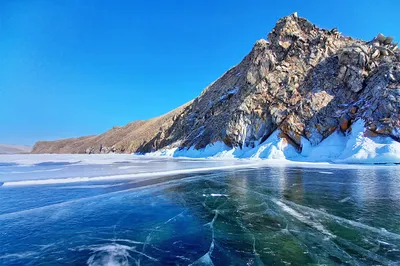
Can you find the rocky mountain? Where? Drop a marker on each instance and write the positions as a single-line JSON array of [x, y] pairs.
[[14, 149], [305, 81]]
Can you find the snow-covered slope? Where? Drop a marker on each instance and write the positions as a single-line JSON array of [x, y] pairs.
[[355, 147]]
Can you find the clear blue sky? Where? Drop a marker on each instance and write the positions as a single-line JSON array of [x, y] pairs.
[[78, 67]]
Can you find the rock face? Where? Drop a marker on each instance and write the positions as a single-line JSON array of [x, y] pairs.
[[306, 81]]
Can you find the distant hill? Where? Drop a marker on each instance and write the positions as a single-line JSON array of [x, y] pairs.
[[13, 149]]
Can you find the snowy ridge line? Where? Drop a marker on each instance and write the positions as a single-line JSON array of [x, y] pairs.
[[122, 176]]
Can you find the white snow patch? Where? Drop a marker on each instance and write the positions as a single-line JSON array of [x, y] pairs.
[[337, 148], [230, 92], [361, 149]]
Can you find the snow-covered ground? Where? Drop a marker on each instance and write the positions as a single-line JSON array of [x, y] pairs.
[[355, 148]]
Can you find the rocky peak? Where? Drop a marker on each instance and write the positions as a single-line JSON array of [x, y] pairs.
[[288, 30]]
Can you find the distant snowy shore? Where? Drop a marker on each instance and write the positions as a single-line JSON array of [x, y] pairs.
[[355, 148]]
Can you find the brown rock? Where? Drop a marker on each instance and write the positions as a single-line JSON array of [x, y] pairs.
[[345, 123]]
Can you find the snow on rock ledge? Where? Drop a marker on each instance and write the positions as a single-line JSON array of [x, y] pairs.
[[356, 147]]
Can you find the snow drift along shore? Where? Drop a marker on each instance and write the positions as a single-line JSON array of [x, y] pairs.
[[355, 147]]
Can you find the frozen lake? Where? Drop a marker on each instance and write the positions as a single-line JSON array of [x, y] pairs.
[[127, 210]]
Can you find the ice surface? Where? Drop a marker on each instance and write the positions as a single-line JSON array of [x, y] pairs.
[[24, 170], [35, 159], [31, 169], [262, 216], [149, 210]]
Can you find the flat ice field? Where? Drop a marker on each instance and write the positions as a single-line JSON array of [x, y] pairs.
[[38, 169], [42, 169], [149, 210]]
